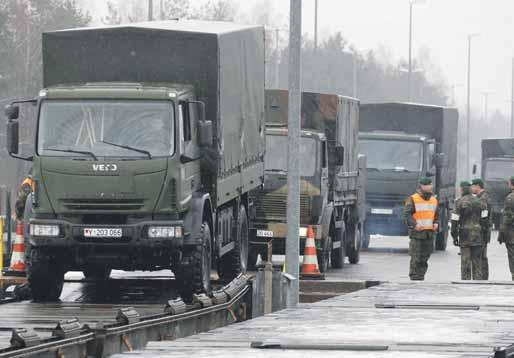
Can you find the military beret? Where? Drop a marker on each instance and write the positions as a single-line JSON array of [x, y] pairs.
[[477, 181], [425, 181], [465, 184]]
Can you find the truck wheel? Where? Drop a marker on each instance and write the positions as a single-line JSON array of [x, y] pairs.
[[324, 254], [97, 273], [354, 248], [195, 276], [442, 237], [366, 238], [45, 277], [339, 253], [236, 261]]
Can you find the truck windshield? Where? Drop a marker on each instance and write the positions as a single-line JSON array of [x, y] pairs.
[[499, 169], [394, 155], [106, 128], [276, 155]]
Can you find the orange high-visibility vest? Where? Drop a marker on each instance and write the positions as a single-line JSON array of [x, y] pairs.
[[425, 211], [29, 181]]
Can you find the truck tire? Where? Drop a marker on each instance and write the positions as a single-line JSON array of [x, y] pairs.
[[195, 275], [97, 273], [366, 238], [45, 277], [324, 254], [236, 261], [339, 253], [354, 247], [441, 241]]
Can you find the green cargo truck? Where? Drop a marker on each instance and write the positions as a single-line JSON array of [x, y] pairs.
[[497, 168], [403, 142], [329, 166], [149, 138]]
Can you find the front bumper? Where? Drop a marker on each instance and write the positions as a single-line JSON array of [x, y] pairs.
[[262, 232], [133, 235], [385, 219]]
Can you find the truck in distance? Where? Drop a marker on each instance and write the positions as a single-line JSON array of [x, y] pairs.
[[403, 142], [149, 138], [329, 166]]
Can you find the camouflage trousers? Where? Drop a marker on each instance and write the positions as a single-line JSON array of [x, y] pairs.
[[471, 262], [420, 251], [510, 253], [485, 263]]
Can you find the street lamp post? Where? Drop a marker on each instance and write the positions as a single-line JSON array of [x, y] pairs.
[[316, 24], [468, 108], [486, 103], [411, 4], [512, 103]]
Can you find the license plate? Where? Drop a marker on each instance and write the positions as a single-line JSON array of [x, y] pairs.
[[382, 211], [264, 233], [103, 232]]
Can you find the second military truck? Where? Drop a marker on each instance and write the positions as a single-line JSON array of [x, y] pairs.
[[497, 168], [149, 138], [329, 168], [403, 142]]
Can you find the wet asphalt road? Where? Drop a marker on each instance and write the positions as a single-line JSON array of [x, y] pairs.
[[388, 260]]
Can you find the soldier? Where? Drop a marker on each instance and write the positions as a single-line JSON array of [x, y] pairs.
[[420, 215], [467, 232], [477, 188], [506, 234], [26, 187]]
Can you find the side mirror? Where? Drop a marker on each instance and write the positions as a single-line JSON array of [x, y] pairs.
[[205, 133], [474, 169], [13, 137], [440, 160], [12, 111], [339, 155]]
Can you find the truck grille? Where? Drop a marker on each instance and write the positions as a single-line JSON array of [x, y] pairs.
[[90, 205], [274, 207]]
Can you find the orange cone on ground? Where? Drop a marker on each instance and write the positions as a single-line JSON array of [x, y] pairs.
[[310, 267], [18, 251]]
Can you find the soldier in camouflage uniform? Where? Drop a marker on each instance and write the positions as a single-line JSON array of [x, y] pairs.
[[467, 220], [506, 234], [477, 188], [420, 216], [25, 189]]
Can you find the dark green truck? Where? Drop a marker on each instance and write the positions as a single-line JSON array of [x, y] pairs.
[[330, 200], [403, 142], [497, 168], [149, 138]]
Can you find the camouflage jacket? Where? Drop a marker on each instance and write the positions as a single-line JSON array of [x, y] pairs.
[[487, 224], [23, 192], [468, 218], [507, 223], [408, 211]]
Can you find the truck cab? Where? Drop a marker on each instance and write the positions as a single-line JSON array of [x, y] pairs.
[[395, 162], [270, 204]]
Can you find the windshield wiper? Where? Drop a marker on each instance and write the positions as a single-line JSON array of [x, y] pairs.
[[142, 151], [91, 154]]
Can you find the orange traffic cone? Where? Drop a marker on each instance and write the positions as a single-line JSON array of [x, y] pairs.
[[17, 266], [310, 267]]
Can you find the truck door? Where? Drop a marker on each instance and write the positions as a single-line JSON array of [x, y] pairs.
[[190, 171]]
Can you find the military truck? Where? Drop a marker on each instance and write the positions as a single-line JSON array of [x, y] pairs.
[[403, 142], [149, 138], [497, 168], [329, 168]]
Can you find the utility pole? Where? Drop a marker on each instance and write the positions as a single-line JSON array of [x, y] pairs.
[[150, 10], [468, 109], [316, 24], [512, 103], [486, 104], [293, 149], [277, 64]]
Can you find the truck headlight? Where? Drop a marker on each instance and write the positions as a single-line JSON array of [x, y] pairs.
[[155, 232], [44, 230]]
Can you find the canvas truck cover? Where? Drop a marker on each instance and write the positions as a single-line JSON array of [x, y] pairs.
[[497, 148], [439, 123], [338, 118], [223, 61]]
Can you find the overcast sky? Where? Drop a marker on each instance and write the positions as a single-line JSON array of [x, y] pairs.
[[440, 25]]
